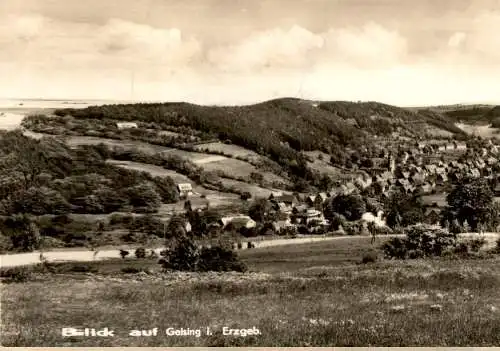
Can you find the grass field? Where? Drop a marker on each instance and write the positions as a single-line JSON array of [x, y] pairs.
[[155, 171], [238, 168], [255, 190], [302, 295], [482, 130], [74, 141], [322, 165], [230, 149]]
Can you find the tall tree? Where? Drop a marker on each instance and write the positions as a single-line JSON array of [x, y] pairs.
[[472, 200]]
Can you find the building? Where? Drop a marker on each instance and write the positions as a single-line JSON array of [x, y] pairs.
[[126, 125], [238, 222], [185, 189]]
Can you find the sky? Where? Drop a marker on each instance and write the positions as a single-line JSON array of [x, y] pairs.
[[401, 52]]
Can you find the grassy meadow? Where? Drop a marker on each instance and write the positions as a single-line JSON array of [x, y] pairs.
[[297, 295]]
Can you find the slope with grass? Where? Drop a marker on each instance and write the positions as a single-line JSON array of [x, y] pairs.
[[326, 299]]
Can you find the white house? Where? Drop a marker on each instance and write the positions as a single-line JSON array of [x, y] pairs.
[[185, 189], [126, 125], [238, 221]]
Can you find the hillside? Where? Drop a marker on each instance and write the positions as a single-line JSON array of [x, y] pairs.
[[280, 129]]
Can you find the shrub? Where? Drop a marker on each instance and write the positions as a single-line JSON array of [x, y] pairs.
[[245, 195], [369, 257], [219, 259], [185, 256], [17, 274], [420, 241], [83, 268], [476, 244], [140, 252], [250, 245], [395, 248], [124, 253]]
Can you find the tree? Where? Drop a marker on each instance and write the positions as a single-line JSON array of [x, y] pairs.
[[124, 253], [23, 232], [472, 200], [176, 227], [350, 206], [261, 211], [403, 210], [245, 195], [140, 252], [144, 197]]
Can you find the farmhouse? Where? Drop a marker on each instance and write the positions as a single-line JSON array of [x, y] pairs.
[[289, 200], [126, 125], [185, 189]]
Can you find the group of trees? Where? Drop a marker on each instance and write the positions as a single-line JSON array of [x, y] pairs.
[[46, 177]]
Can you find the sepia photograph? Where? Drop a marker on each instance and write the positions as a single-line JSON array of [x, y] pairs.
[[249, 173]]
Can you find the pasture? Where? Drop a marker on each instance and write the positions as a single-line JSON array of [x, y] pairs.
[[297, 295], [256, 191], [482, 130], [322, 165], [229, 149], [238, 168]]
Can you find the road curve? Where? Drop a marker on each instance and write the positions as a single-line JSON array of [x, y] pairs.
[[23, 259]]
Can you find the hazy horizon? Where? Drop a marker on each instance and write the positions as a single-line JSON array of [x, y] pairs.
[[228, 52]]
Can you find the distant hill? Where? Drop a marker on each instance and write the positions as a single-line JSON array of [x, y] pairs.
[[282, 128]]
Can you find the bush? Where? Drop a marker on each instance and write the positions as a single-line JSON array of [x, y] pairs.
[[395, 248], [219, 259], [245, 195], [369, 257], [140, 252], [17, 274], [476, 244], [83, 268], [420, 241], [185, 256], [124, 253]]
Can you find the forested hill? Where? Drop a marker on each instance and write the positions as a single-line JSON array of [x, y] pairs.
[[281, 128]]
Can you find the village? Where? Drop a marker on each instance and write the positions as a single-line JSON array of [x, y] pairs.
[[427, 169]]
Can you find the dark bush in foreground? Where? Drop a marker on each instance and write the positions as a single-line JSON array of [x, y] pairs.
[[140, 252], [420, 241], [186, 256], [124, 253], [83, 268], [220, 260], [17, 274], [369, 257]]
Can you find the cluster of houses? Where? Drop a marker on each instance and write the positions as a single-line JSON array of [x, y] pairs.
[[422, 168]]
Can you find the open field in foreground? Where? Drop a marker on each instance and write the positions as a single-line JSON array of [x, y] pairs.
[[329, 300]]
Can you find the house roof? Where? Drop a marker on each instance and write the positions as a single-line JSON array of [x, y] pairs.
[[286, 198], [184, 186]]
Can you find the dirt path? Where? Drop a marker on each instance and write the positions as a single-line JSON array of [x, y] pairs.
[[14, 260]]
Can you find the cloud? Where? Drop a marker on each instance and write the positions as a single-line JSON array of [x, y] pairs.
[[457, 39], [120, 59], [369, 46], [160, 46], [275, 48]]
